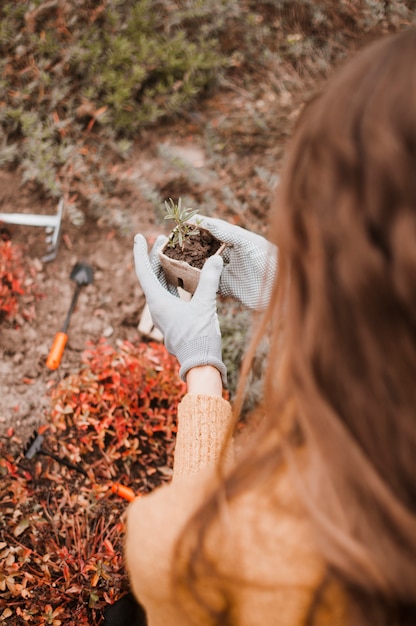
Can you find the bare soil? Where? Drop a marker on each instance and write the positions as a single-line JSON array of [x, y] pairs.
[[196, 249], [109, 307], [112, 305]]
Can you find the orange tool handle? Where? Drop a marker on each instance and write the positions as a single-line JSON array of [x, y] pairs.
[[57, 350], [123, 492]]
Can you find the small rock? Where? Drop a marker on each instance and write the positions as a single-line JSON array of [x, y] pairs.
[[37, 264], [18, 358], [92, 326], [107, 332]]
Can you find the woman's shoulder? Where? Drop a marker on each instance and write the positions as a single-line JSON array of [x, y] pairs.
[[268, 546], [272, 535], [261, 541]]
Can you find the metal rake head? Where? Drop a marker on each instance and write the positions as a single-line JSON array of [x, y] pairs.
[[34, 445]]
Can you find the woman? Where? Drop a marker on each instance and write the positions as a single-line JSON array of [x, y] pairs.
[[315, 521]]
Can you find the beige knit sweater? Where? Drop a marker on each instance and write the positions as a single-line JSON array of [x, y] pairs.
[[263, 542]]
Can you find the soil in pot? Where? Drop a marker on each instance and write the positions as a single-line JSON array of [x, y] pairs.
[[182, 266], [196, 249]]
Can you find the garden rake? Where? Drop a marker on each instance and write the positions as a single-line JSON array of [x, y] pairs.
[[34, 447]]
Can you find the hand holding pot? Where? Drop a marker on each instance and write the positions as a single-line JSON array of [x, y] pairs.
[[156, 266], [191, 330], [250, 262]]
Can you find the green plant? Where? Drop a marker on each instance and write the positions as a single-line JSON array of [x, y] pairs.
[[236, 323], [79, 78], [182, 229]]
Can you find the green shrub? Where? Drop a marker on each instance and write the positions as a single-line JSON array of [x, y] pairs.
[[78, 78], [236, 324]]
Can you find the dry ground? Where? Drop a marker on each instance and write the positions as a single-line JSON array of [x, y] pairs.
[[173, 159]]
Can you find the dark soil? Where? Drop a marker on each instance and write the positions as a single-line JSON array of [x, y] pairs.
[[196, 249]]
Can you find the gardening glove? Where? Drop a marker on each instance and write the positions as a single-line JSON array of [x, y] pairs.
[[191, 330], [250, 262], [157, 267]]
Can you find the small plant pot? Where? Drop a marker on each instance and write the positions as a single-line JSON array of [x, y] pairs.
[[180, 271]]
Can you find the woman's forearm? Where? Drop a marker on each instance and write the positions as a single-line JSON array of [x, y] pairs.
[[203, 421], [205, 380]]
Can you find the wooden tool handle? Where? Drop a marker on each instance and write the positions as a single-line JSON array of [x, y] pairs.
[[57, 350]]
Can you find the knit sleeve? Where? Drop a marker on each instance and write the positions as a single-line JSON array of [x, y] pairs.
[[203, 422]]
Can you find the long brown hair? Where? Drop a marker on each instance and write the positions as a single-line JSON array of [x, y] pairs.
[[342, 358]]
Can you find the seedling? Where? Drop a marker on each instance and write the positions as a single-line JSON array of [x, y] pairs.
[[187, 247], [183, 229]]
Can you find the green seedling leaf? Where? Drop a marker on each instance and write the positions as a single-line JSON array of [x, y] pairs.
[[182, 230]]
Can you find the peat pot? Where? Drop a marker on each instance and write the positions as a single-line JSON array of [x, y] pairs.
[[182, 267]]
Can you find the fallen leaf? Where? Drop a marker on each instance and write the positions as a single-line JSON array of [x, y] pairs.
[[21, 527]]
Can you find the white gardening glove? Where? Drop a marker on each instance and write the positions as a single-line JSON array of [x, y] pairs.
[[250, 262], [156, 265], [191, 330]]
